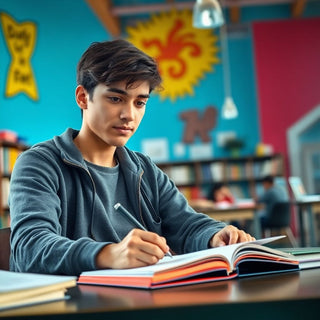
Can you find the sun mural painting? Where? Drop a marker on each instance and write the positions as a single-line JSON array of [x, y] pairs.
[[184, 54]]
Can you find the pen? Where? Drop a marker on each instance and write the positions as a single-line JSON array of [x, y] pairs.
[[134, 221]]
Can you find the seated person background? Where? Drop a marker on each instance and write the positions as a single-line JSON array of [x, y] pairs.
[[220, 194], [272, 194]]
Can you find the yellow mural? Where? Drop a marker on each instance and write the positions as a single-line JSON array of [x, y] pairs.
[[20, 39], [184, 54]]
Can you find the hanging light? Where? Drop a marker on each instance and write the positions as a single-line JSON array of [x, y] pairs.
[[207, 14], [229, 109]]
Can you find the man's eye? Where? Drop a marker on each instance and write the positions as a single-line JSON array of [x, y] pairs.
[[141, 103], [114, 99]]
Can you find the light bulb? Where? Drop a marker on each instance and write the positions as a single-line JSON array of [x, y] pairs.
[[229, 109], [207, 14]]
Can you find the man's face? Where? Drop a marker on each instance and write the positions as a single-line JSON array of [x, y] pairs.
[[266, 185], [114, 113]]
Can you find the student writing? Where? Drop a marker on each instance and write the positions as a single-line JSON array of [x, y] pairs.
[[63, 190]]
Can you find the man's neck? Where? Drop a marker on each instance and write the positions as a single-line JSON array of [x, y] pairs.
[[93, 152]]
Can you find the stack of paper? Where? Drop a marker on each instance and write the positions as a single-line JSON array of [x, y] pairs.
[[308, 257], [21, 289]]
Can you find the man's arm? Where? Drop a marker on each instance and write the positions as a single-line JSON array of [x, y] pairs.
[[39, 242]]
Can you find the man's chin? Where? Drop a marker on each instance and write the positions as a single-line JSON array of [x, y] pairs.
[[120, 143]]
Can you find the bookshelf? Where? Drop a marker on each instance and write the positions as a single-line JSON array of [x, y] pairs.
[[241, 174], [9, 151]]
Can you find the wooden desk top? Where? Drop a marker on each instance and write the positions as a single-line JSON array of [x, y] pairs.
[[204, 205], [307, 201], [293, 295], [226, 213]]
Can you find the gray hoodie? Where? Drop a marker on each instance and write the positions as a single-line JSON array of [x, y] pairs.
[[57, 227]]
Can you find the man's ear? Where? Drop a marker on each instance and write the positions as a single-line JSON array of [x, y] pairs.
[[82, 97]]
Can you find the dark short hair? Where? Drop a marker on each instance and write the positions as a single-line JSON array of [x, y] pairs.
[[113, 61], [212, 190], [268, 179]]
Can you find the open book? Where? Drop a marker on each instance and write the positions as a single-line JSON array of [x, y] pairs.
[[22, 289], [236, 260]]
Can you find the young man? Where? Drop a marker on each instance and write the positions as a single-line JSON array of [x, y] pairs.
[[63, 191]]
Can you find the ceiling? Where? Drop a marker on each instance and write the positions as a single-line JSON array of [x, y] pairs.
[[110, 14]]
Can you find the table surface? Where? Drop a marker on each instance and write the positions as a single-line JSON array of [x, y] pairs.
[[240, 212], [291, 295], [237, 212], [311, 200]]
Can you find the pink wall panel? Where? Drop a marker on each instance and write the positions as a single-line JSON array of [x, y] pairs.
[[287, 57]]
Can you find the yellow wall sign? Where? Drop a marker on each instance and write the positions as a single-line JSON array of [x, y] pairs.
[[183, 53], [20, 39]]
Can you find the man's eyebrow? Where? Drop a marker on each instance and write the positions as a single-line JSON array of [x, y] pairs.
[[144, 96], [120, 91], [116, 90]]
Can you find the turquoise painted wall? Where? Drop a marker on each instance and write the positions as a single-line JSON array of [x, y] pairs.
[[65, 30]]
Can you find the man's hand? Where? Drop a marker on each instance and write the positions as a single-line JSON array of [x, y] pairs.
[[229, 235], [139, 248]]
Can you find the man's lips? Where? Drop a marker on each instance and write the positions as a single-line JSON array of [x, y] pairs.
[[123, 129]]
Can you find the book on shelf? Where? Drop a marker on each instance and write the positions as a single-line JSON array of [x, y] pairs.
[[5, 191], [4, 219], [24, 289], [8, 157], [217, 171], [221, 263], [181, 174], [212, 172], [268, 167], [236, 171], [248, 171], [191, 193], [206, 175]]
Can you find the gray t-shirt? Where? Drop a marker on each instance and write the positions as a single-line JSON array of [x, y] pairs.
[[111, 189]]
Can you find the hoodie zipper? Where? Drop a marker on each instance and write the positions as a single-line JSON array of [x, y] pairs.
[[139, 198], [94, 189]]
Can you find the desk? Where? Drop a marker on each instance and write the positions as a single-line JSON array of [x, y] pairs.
[[292, 295], [308, 207], [232, 213]]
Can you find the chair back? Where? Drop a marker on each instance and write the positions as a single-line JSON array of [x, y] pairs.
[[4, 248], [280, 216]]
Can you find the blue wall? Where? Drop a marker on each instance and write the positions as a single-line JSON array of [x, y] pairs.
[[61, 39], [65, 30]]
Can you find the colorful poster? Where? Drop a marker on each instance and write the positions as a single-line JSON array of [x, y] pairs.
[[20, 39]]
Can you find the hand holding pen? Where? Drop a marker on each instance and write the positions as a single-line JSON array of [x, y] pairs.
[[138, 248], [133, 221]]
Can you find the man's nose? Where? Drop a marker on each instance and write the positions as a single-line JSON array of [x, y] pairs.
[[127, 112]]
